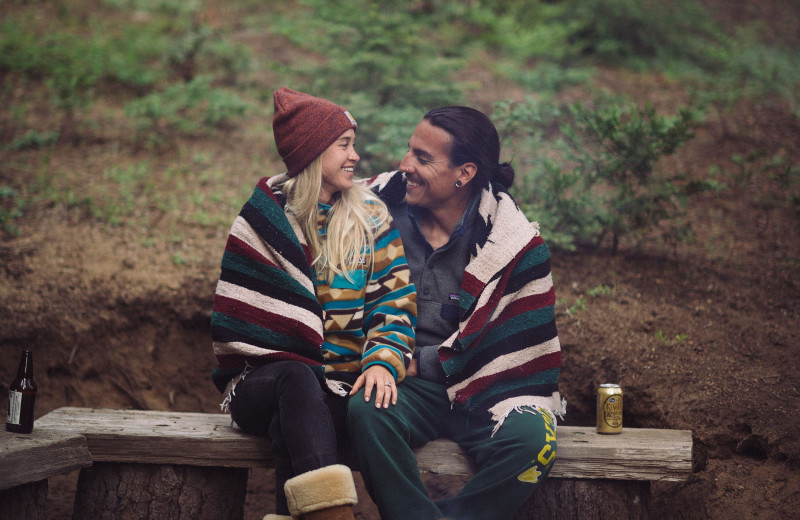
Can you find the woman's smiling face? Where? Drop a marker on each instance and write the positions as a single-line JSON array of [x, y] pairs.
[[338, 162]]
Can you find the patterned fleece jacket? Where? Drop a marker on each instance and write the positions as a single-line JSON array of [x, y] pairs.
[[270, 306], [505, 354]]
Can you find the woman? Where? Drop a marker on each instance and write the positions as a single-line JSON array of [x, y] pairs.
[[487, 360], [314, 297]]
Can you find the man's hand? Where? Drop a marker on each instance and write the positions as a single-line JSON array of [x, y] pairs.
[[385, 386], [412, 368]]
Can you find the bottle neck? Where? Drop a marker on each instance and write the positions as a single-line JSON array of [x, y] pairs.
[[26, 365]]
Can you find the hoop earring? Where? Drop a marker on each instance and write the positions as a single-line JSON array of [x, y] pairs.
[[458, 184]]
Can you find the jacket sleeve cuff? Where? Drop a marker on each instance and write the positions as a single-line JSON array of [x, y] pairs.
[[392, 370]]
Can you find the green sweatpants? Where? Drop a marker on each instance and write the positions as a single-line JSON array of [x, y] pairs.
[[511, 463]]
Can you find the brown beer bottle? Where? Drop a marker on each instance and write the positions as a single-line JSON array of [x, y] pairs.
[[22, 397]]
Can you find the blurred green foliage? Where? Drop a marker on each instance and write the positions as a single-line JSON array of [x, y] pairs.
[[599, 173], [168, 70], [183, 109], [11, 205]]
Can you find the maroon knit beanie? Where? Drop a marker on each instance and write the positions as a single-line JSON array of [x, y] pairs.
[[305, 126]]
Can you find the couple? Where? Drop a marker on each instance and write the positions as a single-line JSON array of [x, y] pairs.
[[328, 282]]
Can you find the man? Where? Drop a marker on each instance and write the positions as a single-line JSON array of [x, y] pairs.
[[485, 371]]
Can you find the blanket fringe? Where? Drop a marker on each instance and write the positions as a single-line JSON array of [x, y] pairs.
[[231, 389], [338, 387], [533, 409]]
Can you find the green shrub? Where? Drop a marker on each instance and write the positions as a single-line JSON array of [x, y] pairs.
[[546, 77], [756, 71], [183, 50], [518, 29], [167, 7], [70, 66], [134, 57], [643, 33], [621, 148], [74, 66], [770, 181], [588, 173], [187, 108], [228, 59], [379, 47], [20, 50], [548, 188], [34, 140], [11, 205]]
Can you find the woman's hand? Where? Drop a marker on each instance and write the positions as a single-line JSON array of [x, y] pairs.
[[382, 380]]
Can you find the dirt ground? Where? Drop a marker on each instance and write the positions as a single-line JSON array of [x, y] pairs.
[[705, 338]]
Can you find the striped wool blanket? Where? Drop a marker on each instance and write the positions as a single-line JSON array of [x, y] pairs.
[[505, 354], [265, 306]]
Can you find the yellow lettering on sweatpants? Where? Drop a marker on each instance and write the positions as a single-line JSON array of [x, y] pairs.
[[546, 461], [550, 436], [532, 475]]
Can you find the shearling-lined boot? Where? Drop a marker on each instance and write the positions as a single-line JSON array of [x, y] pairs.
[[322, 494]]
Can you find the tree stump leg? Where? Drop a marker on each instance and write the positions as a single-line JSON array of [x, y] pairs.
[[133, 491], [24, 502], [588, 499]]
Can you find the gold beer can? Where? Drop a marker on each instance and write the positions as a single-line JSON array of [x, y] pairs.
[[609, 408]]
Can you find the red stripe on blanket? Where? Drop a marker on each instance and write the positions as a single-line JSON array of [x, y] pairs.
[[237, 246], [480, 317], [528, 303], [269, 320], [539, 364]]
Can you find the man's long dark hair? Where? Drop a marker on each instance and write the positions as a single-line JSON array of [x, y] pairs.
[[474, 139]]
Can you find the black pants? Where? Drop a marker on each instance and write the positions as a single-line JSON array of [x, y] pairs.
[[285, 402]]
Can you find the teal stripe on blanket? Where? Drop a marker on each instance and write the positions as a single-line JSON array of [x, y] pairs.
[[465, 300], [532, 258], [497, 334], [265, 273], [267, 206], [525, 320], [263, 336]]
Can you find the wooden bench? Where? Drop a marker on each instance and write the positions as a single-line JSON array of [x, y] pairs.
[[28, 460], [195, 465]]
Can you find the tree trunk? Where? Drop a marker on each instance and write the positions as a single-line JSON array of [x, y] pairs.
[[24, 502], [588, 499], [134, 491]]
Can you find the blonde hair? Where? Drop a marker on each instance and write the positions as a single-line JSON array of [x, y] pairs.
[[354, 218]]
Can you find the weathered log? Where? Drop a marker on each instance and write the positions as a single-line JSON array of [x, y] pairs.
[[569, 499], [199, 439], [151, 464], [28, 460], [178, 492], [38, 455], [24, 502]]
